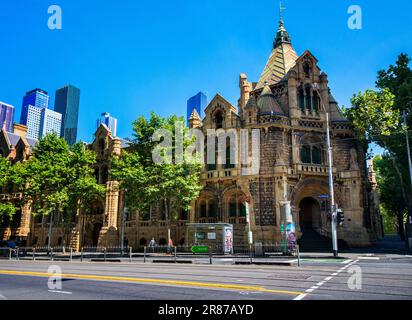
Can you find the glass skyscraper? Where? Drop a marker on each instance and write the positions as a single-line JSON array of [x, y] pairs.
[[6, 116], [67, 103], [36, 98], [198, 102], [109, 121]]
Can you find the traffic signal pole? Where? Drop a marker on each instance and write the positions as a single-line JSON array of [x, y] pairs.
[[331, 188]]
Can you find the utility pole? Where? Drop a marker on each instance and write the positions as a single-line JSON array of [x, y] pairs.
[[331, 185], [409, 156], [50, 231], [408, 147], [123, 223]]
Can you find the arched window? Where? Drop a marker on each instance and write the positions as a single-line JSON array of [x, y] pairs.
[[101, 146], [219, 120], [306, 69], [305, 154], [212, 209], [315, 101], [203, 209], [311, 155]]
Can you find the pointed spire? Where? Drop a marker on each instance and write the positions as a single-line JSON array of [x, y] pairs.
[[282, 36], [281, 60]]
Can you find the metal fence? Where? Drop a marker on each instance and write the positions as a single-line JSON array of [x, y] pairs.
[[156, 254]]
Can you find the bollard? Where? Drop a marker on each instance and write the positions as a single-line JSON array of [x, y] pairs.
[[175, 254], [298, 252], [18, 254], [9, 253], [51, 252], [144, 255], [81, 256], [210, 257], [71, 254], [130, 254], [34, 253], [104, 254]]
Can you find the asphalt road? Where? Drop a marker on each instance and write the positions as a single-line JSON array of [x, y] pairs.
[[317, 279]]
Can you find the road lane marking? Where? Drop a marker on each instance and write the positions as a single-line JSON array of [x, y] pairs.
[[368, 258], [61, 292], [300, 297], [2, 297], [236, 287], [346, 261], [321, 283]]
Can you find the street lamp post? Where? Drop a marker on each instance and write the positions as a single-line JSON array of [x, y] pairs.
[[123, 223], [330, 170]]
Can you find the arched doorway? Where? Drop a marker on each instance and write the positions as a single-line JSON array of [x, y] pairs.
[[96, 233], [310, 222], [309, 214]]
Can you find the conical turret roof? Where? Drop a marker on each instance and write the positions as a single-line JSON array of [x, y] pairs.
[[281, 60]]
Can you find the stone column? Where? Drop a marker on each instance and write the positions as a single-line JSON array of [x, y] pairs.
[[112, 204], [24, 229]]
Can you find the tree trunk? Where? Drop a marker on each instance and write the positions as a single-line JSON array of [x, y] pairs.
[[401, 229]]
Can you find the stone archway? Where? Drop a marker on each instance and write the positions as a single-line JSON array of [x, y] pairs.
[[311, 221], [309, 214]]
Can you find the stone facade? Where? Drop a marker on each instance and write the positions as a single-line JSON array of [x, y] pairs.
[[288, 106]]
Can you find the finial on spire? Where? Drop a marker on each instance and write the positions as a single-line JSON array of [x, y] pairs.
[[281, 9]]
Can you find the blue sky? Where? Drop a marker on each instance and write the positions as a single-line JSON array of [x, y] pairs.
[[132, 56]]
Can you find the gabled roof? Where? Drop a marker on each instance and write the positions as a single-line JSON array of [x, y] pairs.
[[223, 101], [281, 60]]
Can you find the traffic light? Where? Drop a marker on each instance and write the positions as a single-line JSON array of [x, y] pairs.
[[340, 217]]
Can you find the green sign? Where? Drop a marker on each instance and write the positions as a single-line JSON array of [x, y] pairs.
[[200, 249]]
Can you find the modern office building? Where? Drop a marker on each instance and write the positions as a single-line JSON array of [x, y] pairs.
[[33, 117], [36, 98], [6, 116], [198, 102], [109, 121], [67, 103], [51, 122]]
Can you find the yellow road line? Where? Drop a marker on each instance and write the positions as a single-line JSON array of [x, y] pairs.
[[153, 281]]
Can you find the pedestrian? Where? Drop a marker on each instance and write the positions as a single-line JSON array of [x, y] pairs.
[[152, 244], [170, 246]]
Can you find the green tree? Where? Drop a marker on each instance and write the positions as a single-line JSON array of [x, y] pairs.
[[378, 117], [390, 192], [59, 179], [173, 185], [7, 173]]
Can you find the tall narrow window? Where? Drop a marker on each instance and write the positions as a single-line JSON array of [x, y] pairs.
[[316, 156], [308, 100], [212, 210], [305, 154], [301, 100], [232, 209], [219, 120]]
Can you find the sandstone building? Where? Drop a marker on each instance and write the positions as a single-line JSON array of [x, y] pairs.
[[288, 106]]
